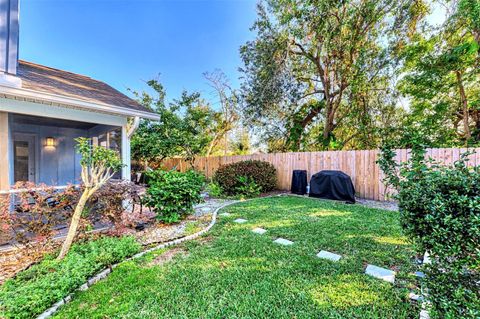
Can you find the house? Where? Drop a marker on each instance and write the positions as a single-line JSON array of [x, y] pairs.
[[43, 110]]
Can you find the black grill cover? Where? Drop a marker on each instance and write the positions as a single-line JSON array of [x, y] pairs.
[[332, 185], [299, 182]]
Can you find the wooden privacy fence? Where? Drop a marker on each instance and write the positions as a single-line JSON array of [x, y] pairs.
[[360, 165]]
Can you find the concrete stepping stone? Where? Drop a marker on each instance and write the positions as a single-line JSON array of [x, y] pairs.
[[259, 231], [328, 255], [240, 220], [283, 241], [225, 214], [419, 274], [381, 273]]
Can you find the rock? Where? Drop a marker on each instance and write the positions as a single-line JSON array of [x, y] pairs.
[[415, 297]]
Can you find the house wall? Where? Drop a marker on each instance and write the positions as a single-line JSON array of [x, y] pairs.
[[56, 169]]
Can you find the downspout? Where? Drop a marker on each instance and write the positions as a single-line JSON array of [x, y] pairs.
[[133, 127]]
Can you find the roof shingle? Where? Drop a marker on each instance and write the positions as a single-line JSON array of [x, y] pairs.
[[49, 80]]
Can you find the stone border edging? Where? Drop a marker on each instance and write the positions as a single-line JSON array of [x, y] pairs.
[[105, 272]]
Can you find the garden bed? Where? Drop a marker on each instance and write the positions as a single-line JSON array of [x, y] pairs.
[[14, 259]]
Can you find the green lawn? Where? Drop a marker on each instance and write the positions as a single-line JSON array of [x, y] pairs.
[[234, 273]]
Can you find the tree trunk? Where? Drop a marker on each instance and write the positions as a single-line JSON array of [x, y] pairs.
[[328, 128], [72, 230], [212, 145], [464, 104]]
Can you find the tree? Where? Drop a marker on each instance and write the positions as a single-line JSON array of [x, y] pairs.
[[197, 125], [226, 119], [241, 143], [188, 126], [155, 141], [99, 164], [469, 11], [318, 66], [442, 80]]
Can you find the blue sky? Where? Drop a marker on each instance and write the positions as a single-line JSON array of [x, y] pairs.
[[126, 42]]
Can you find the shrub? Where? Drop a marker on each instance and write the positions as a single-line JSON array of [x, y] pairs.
[[108, 202], [37, 209], [36, 289], [247, 187], [262, 173], [173, 194], [214, 190], [440, 211]]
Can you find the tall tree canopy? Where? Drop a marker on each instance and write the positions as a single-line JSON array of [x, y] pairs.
[[319, 73], [442, 79]]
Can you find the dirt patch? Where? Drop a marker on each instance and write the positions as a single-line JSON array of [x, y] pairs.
[[167, 256]]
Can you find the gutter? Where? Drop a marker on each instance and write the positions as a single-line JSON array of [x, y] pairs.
[[75, 102]]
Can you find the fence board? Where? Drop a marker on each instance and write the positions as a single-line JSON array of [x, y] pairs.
[[366, 175]]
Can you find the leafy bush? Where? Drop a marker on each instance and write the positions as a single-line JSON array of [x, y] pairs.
[[38, 209], [214, 190], [107, 204], [172, 194], [247, 187], [262, 173], [36, 289], [440, 211]]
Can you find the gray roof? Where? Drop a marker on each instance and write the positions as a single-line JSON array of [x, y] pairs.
[[44, 79]]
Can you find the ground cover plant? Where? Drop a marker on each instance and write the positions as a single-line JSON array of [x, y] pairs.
[[36, 289], [235, 273]]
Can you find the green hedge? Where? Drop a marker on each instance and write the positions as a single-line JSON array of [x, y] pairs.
[[261, 173], [440, 211], [36, 289]]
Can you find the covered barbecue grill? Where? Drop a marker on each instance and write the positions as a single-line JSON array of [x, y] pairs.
[[334, 185]]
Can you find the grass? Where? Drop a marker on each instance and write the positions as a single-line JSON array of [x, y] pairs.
[[234, 273]]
